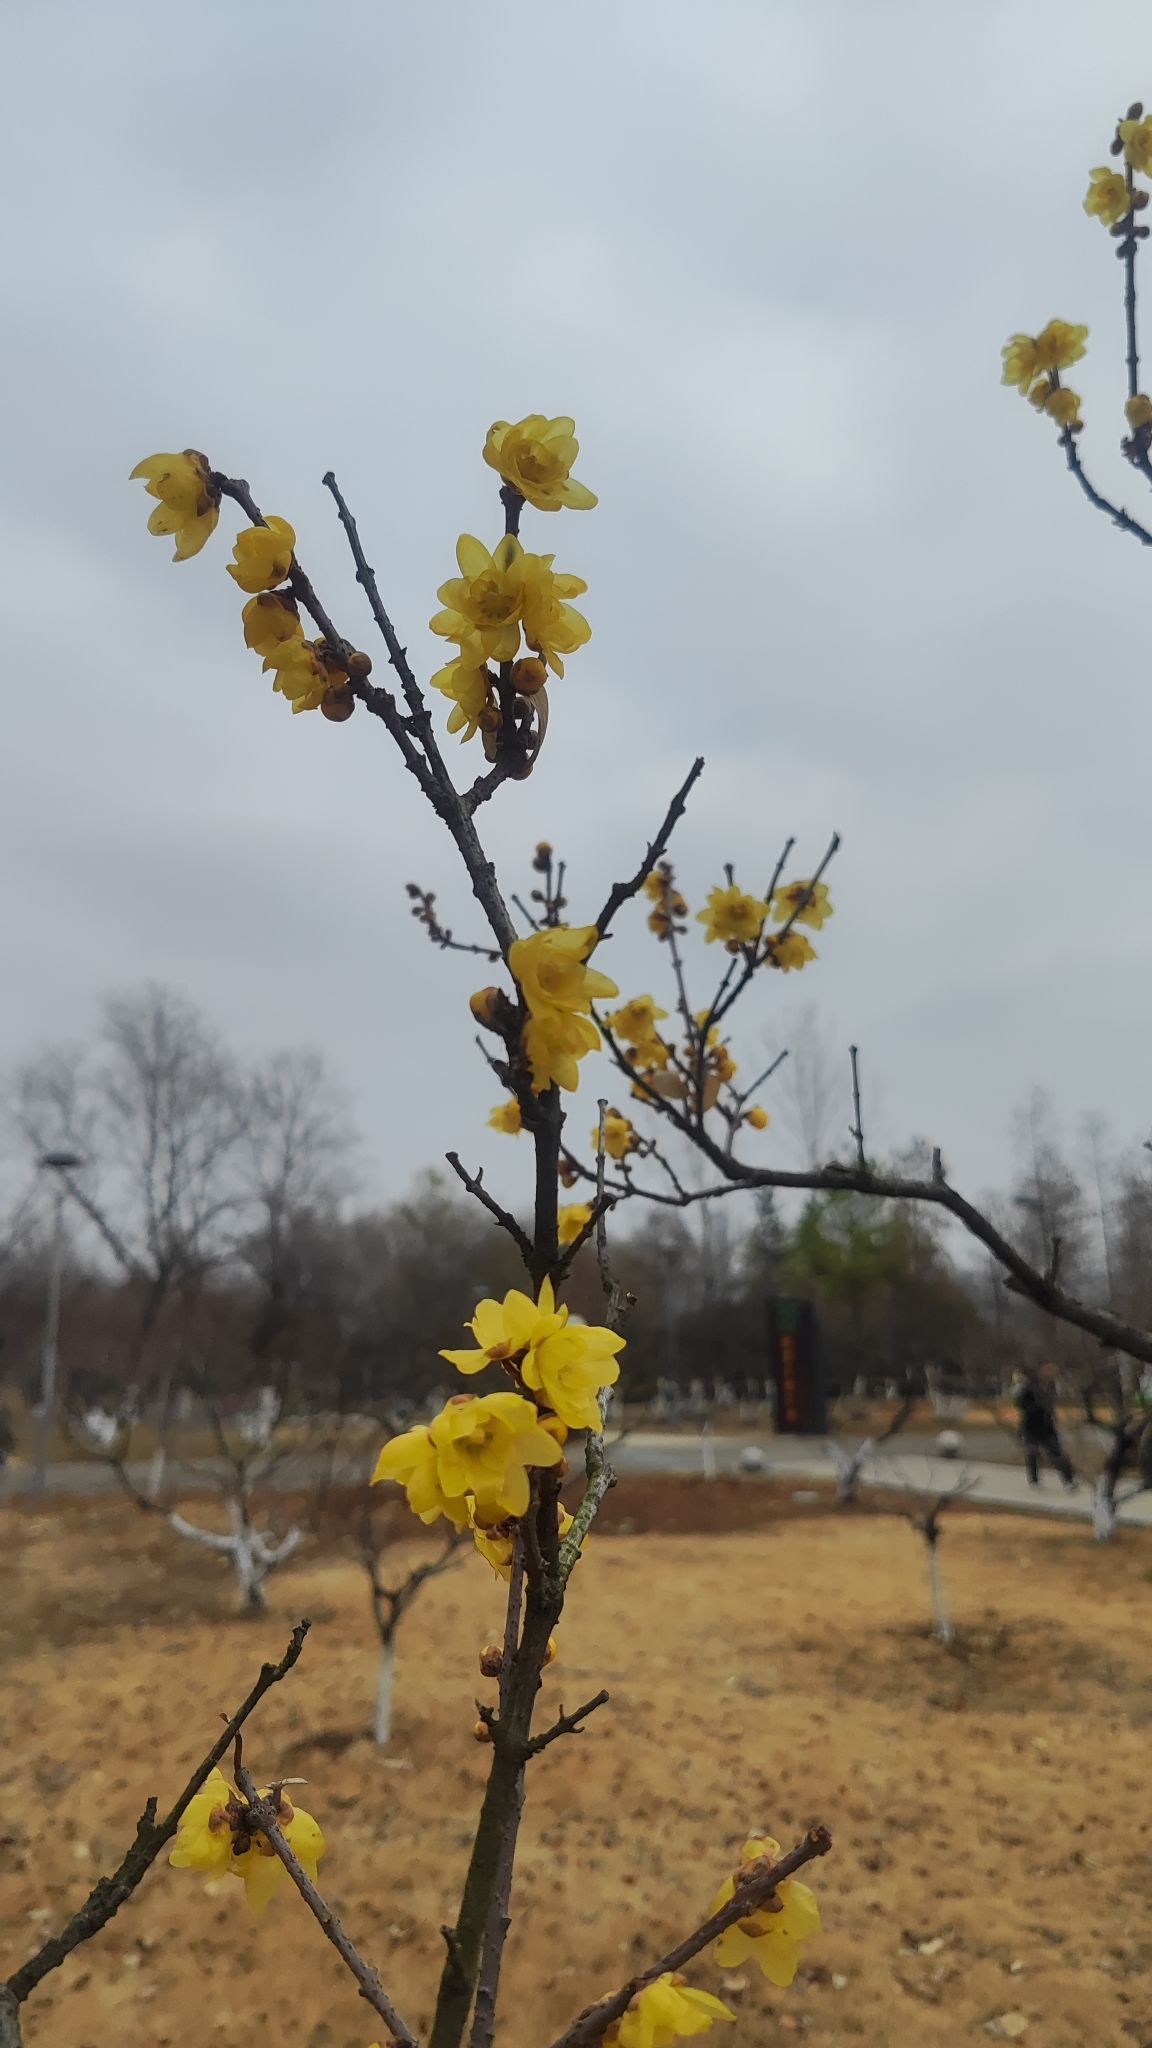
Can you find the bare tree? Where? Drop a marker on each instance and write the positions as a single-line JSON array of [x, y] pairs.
[[390, 1603], [153, 1111], [926, 1522]]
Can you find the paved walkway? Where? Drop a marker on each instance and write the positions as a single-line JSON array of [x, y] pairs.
[[996, 1484]]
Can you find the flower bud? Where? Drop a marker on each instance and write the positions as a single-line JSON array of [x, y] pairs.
[[1138, 410], [484, 1004], [338, 703], [552, 1652], [359, 664], [529, 675], [491, 1661], [489, 719], [481, 1732], [555, 1428]]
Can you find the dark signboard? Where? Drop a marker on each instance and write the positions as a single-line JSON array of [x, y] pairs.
[[797, 1371]]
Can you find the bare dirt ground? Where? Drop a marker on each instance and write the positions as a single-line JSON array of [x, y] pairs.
[[769, 1666]]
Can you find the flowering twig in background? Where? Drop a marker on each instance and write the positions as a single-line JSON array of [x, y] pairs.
[[748, 1897], [110, 1893], [1033, 363]]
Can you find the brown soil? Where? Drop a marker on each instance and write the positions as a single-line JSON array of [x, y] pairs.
[[769, 1666]]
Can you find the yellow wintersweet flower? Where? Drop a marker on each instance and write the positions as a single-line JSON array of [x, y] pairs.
[[271, 621], [485, 601], [667, 2010], [788, 951], [412, 1460], [1137, 139], [732, 915], [535, 456], [757, 1117], [302, 674], [721, 1063], [572, 1219], [467, 682], [551, 625], [551, 969], [263, 554], [260, 1867], [474, 1447], [1138, 411], [204, 1836], [1107, 197], [504, 1329], [506, 1117], [636, 1020], [790, 902], [189, 503], [620, 1136], [1063, 405], [485, 1447], [1060, 344], [570, 1368], [495, 1545], [1022, 363], [554, 1040], [772, 1939]]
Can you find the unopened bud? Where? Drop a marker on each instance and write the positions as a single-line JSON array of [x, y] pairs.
[[359, 664], [552, 1652], [491, 1661], [556, 1429], [489, 719], [483, 1006], [338, 703], [529, 675], [1135, 111], [481, 1732]]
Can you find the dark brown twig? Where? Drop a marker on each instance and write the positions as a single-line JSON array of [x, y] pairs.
[[474, 1182], [263, 1815], [567, 1724], [622, 892], [754, 1892]]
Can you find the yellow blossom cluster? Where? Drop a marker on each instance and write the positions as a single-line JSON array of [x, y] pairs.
[[1033, 362], [669, 909], [309, 673], [212, 1837], [473, 1462], [558, 988], [737, 919], [507, 605], [620, 1135]]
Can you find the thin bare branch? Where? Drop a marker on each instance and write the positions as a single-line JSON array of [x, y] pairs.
[[567, 1724], [474, 1182], [622, 892]]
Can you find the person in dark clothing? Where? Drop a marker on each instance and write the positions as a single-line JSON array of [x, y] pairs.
[[1036, 1404]]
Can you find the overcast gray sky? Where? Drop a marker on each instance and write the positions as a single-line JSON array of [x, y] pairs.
[[766, 254]]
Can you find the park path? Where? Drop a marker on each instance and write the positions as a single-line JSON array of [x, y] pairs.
[[996, 1483]]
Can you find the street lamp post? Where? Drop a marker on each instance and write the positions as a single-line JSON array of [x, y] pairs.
[[58, 1164]]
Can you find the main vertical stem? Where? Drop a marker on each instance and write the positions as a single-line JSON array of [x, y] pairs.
[[486, 1885]]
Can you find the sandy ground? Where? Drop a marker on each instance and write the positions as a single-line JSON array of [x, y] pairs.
[[768, 1666]]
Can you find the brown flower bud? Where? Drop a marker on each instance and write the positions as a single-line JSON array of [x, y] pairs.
[[481, 1732], [483, 1005], [529, 675], [359, 664], [338, 703], [491, 1661], [489, 719]]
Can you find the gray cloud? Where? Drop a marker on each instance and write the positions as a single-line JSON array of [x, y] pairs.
[[768, 262]]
